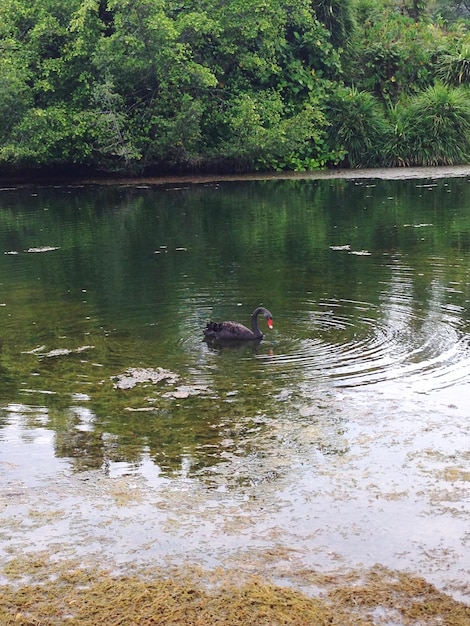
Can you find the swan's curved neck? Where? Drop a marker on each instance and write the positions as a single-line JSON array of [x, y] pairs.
[[254, 323]]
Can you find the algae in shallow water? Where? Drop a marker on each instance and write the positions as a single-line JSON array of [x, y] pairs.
[[67, 593]]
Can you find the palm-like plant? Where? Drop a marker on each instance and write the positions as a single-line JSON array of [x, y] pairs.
[[358, 126], [453, 68], [433, 128]]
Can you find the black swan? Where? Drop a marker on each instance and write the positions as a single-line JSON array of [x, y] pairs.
[[234, 330]]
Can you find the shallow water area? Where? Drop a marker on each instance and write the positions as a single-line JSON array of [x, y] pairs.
[[339, 442]]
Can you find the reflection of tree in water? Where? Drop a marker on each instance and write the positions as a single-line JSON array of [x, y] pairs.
[[7, 380], [84, 449], [191, 427]]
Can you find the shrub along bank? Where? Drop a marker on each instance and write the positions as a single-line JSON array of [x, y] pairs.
[[136, 86]]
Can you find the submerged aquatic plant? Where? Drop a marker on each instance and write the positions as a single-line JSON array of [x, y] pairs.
[[71, 594]]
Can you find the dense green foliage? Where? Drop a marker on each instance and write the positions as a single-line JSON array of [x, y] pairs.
[[135, 85]]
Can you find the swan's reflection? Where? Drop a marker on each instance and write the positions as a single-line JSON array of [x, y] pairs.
[[233, 345]]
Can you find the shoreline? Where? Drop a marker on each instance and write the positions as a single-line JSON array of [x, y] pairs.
[[395, 173]]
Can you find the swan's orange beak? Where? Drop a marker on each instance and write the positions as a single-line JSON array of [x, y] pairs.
[[270, 322]]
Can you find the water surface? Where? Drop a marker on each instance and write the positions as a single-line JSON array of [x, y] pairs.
[[340, 440]]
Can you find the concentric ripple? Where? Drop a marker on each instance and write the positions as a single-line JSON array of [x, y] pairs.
[[359, 343]]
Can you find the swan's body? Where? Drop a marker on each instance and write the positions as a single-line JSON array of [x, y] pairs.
[[235, 331]]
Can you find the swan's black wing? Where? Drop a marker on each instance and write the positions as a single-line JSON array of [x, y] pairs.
[[228, 330]]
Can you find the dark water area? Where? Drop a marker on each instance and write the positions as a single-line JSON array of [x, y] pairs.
[[104, 375]]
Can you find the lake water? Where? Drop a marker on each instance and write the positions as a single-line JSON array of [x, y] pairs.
[[339, 441]]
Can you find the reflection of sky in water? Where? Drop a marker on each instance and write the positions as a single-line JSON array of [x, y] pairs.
[[373, 345], [395, 495]]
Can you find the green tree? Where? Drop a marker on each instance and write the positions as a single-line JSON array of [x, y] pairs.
[[394, 54], [134, 84]]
